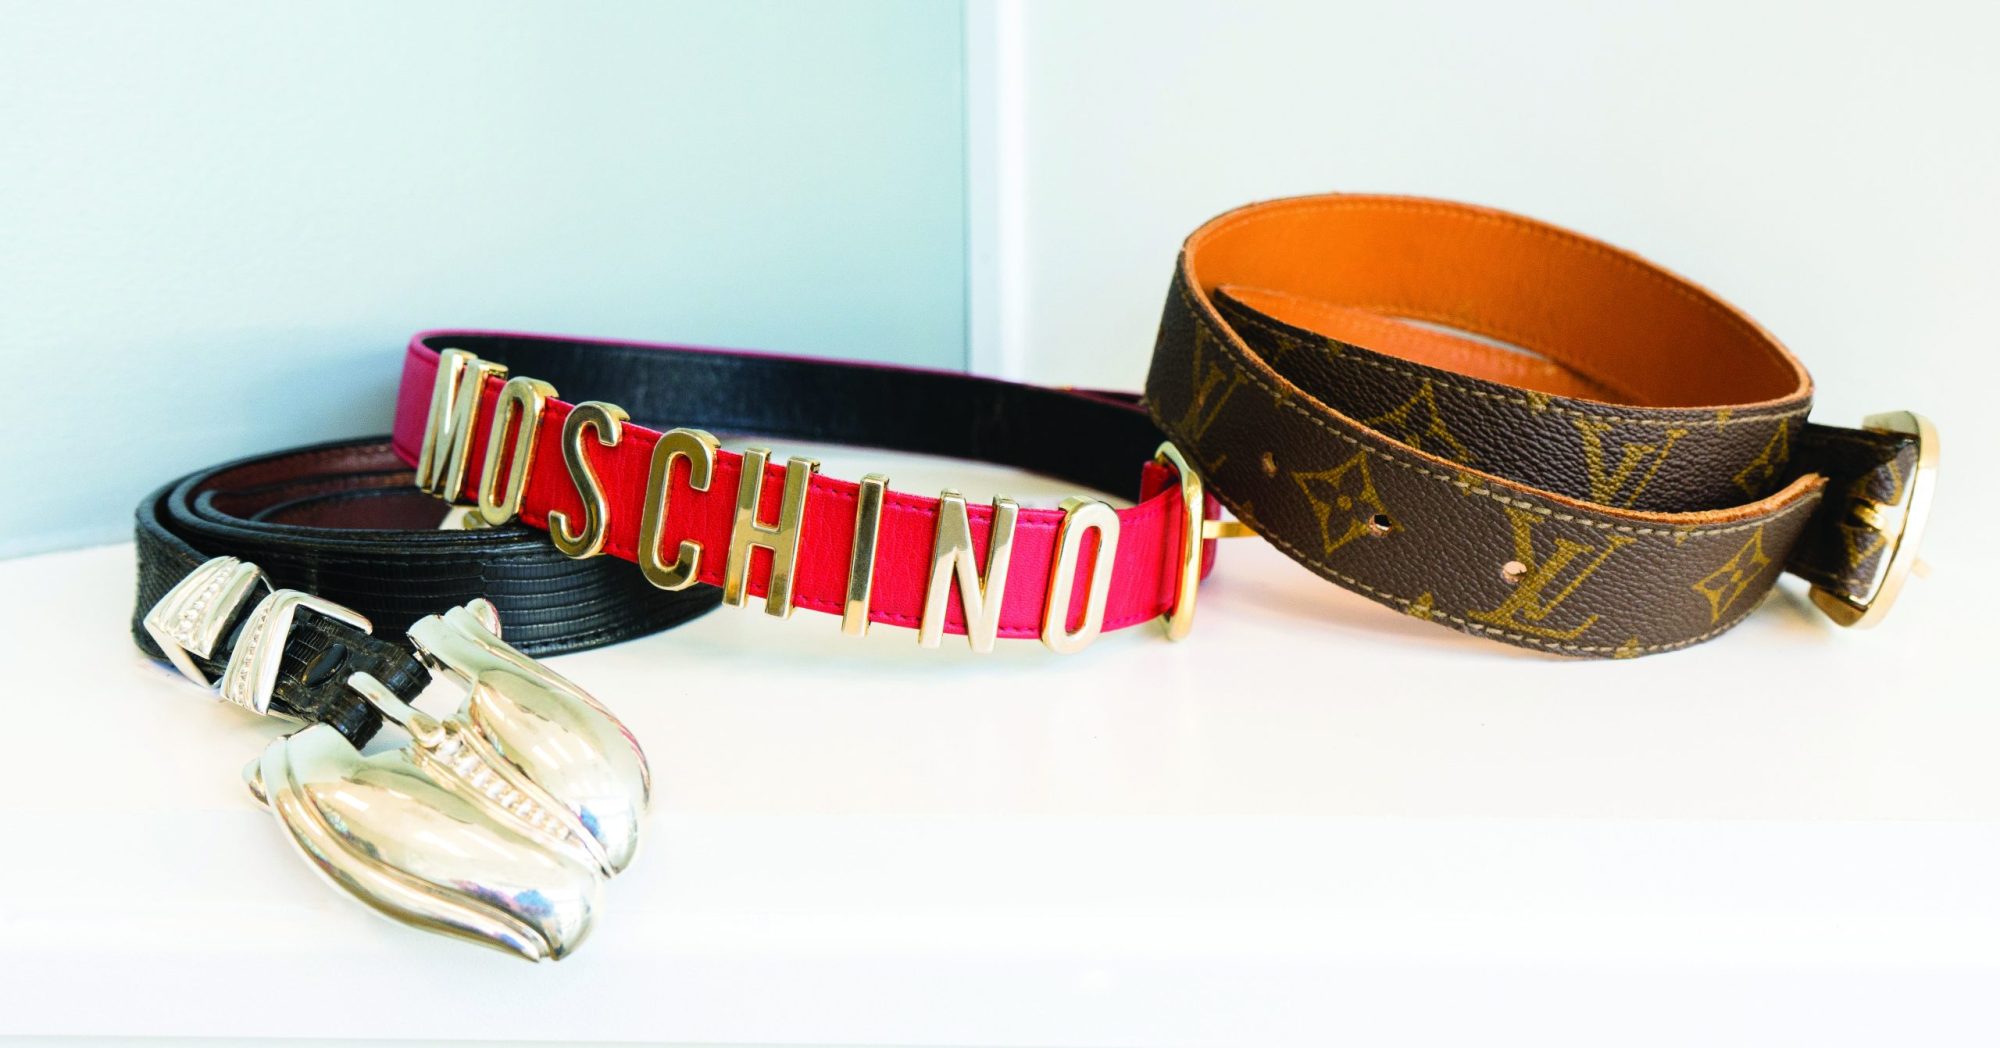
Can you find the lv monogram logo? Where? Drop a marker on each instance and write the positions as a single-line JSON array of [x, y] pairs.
[[1860, 533], [1344, 501], [1563, 570], [1728, 582], [1211, 387], [1757, 477], [1416, 422], [1622, 484]]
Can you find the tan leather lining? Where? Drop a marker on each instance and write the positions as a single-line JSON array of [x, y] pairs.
[[1427, 346], [1618, 328]]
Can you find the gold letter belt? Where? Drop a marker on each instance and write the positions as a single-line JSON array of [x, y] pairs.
[[1346, 373]]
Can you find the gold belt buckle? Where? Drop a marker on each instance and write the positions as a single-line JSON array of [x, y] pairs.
[[1197, 530], [1900, 523]]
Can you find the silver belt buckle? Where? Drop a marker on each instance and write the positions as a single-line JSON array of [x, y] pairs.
[[498, 824]]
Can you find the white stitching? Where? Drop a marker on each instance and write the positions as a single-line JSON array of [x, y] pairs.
[[1474, 627], [1282, 400]]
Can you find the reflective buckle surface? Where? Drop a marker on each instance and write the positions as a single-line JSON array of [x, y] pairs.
[[1196, 530], [188, 622], [1900, 523]]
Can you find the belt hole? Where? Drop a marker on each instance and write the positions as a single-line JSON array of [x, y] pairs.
[[1380, 524], [1512, 571]]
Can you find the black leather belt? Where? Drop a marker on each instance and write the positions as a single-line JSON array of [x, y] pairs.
[[342, 521], [345, 522]]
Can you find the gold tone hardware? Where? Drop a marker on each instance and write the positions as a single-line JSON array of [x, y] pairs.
[[1900, 524], [1181, 619], [951, 555], [698, 447], [1226, 529], [1079, 516], [861, 565], [783, 537], [462, 518], [461, 379], [607, 422], [520, 399]]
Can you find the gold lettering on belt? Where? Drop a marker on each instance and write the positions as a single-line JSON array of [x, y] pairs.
[[1531, 603], [1080, 515], [698, 447], [502, 481], [455, 393], [606, 423], [861, 563], [951, 556], [781, 539]]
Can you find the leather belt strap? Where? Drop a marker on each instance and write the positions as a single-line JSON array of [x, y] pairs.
[[861, 551], [1346, 373], [341, 521]]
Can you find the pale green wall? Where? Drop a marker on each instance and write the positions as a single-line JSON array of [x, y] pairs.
[[219, 221]]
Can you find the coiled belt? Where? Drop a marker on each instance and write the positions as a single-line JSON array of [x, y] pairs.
[[346, 523], [1348, 375], [480, 417], [342, 521]]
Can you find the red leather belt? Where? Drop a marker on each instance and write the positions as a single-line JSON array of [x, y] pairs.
[[1503, 427], [480, 417]]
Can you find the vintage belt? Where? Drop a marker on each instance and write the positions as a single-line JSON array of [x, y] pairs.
[[340, 521], [1346, 373], [479, 417], [498, 824]]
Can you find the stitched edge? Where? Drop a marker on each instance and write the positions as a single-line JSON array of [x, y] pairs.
[[1365, 355], [1475, 627], [1289, 403]]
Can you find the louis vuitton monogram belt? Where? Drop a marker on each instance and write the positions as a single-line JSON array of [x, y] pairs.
[[480, 419], [1506, 428]]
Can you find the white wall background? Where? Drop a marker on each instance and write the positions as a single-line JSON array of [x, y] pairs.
[[207, 204], [1833, 168], [220, 219]]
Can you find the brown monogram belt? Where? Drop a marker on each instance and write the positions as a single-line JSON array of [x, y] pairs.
[[1515, 431]]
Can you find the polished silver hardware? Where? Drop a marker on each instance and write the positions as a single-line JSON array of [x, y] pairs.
[[498, 824], [252, 672], [420, 851], [189, 620]]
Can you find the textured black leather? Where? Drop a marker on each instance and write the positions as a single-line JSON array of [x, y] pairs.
[[1088, 437], [343, 521]]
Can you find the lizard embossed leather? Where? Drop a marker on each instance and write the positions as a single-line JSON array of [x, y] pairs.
[[1346, 373]]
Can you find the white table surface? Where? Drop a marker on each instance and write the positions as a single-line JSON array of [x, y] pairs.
[[1315, 820]]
